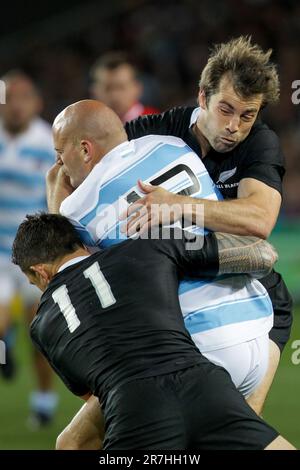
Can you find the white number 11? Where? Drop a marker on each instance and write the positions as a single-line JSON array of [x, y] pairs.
[[101, 286]]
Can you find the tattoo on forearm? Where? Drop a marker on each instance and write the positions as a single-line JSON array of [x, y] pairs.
[[244, 254]]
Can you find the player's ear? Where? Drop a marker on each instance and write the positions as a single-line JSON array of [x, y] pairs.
[[42, 275], [86, 150], [202, 99]]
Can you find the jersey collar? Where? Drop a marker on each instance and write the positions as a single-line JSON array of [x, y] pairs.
[[71, 262]]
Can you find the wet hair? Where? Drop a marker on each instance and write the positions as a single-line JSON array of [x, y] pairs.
[[43, 238]]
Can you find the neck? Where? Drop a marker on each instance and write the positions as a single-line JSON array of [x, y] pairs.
[[110, 144], [198, 132], [70, 256]]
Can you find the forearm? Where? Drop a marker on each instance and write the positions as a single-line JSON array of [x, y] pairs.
[[237, 216], [58, 188], [242, 254], [55, 196], [86, 430]]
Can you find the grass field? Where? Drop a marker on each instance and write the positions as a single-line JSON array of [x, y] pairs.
[[282, 409]]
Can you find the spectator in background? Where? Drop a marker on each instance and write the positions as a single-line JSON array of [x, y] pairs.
[[116, 82], [26, 153]]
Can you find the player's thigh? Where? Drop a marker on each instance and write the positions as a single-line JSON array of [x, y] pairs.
[[86, 430], [257, 399], [246, 362], [219, 417], [144, 414]]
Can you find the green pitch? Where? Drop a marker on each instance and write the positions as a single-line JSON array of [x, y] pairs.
[[282, 409]]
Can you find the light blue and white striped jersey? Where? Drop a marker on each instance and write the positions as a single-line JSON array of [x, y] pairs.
[[24, 160], [218, 313]]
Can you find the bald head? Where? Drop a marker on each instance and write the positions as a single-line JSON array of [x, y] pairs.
[[83, 133], [92, 120]]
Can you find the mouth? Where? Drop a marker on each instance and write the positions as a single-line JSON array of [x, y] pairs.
[[228, 141]]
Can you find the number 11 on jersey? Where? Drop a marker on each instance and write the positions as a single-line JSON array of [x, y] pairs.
[[101, 286]]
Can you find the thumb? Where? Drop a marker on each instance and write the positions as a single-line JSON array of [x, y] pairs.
[[146, 188]]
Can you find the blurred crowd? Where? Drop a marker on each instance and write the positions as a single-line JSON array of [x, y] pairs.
[[169, 42], [139, 56]]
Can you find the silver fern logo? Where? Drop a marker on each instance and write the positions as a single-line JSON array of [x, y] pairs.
[[225, 175]]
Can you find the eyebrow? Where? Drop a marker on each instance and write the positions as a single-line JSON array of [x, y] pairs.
[[249, 110]]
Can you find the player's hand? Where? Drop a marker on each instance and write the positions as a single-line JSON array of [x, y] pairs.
[[159, 206], [57, 178]]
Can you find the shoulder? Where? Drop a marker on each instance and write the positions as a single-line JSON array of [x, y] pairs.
[[261, 136], [261, 145], [170, 122]]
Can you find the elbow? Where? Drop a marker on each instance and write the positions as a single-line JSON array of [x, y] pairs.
[[259, 229], [269, 256], [65, 441]]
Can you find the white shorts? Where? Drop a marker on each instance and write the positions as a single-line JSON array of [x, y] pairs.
[[13, 281], [247, 363]]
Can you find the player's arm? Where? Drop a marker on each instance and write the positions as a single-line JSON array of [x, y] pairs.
[[254, 212], [222, 253], [58, 188], [86, 430]]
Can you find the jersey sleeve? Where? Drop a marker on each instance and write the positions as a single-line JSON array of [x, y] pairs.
[[263, 159], [194, 255], [171, 122]]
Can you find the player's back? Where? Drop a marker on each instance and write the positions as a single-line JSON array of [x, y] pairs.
[[114, 316]]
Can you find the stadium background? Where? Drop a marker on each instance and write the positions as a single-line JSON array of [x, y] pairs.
[[169, 41]]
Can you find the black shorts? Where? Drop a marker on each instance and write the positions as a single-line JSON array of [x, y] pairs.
[[197, 408], [282, 305]]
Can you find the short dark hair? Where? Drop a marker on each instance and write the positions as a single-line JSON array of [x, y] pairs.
[[247, 65], [19, 74], [43, 238], [113, 60]]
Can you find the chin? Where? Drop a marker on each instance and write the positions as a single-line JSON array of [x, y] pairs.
[[224, 148]]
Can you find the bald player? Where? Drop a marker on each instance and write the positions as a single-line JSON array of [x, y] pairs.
[[95, 157]]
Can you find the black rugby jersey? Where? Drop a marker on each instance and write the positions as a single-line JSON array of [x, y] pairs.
[[115, 315], [259, 156]]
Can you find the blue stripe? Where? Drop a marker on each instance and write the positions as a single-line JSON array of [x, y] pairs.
[[2, 147], [8, 231], [5, 251], [190, 284], [16, 176], [113, 237], [143, 169], [226, 314], [38, 154], [218, 193], [33, 205], [84, 236]]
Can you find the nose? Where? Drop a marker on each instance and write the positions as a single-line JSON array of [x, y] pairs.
[[233, 125]]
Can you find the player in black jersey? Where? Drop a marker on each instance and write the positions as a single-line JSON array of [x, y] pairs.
[[243, 157], [110, 324]]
